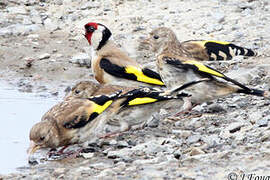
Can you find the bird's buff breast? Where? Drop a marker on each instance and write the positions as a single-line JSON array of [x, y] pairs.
[[97, 71], [172, 76]]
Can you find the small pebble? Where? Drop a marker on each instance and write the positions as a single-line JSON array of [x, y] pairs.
[[44, 56]]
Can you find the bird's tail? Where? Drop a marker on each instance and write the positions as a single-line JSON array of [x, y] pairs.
[[188, 84], [255, 92], [229, 50], [243, 51]]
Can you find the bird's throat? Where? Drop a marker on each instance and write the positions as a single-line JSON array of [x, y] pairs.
[[88, 36]]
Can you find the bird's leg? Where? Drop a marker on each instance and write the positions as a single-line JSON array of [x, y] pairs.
[[112, 134], [73, 154], [187, 107], [61, 151], [57, 153], [68, 154]]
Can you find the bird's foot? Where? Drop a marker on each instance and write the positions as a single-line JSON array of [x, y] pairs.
[[113, 134], [68, 154], [61, 154], [187, 113], [74, 154], [54, 152]]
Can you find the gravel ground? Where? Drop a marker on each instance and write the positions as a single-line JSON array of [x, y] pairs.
[[43, 50]]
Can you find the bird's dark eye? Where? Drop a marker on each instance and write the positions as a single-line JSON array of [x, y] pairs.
[[77, 91], [90, 28], [155, 36], [42, 138]]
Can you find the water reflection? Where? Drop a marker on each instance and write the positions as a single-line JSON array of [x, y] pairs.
[[19, 111]]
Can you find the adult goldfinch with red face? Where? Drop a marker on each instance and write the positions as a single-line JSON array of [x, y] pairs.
[[111, 65]]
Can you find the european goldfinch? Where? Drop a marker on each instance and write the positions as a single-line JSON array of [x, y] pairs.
[[200, 50], [134, 106], [89, 107], [70, 122], [176, 68], [111, 65]]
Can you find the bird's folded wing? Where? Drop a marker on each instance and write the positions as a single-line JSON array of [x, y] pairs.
[[146, 95], [90, 110], [216, 50], [200, 68], [81, 120], [188, 84], [131, 72]]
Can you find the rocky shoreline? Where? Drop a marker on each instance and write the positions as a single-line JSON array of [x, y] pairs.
[[43, 51]]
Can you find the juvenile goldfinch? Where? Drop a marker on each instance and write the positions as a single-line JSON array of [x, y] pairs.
[[177, 68], [111, 65], [134, 106], [70, 122], [86, 110], [200, 50]]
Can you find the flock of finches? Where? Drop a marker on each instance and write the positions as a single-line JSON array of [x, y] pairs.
[[127, 94]]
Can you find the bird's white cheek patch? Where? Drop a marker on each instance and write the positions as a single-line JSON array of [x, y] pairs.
[[96, 38]]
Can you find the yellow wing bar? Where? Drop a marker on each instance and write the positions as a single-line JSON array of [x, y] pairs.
[[202, 43], [100, 108], [142, 77], [203, 68], [138, 101]]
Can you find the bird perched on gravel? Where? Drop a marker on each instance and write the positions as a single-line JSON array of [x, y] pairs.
[[178, 66], [111, 65], [89, 107], [200, 50], [70, 122], [135, 105]]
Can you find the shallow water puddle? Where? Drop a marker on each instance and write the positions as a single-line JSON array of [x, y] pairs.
[[19, 111]]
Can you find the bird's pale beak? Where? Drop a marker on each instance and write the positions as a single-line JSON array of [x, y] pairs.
[[146, 41], [33, 147], [67, 97]]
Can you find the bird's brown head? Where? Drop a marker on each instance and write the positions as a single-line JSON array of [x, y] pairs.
[[83, 89], [159, 38], [43, 135], [96, 34]]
